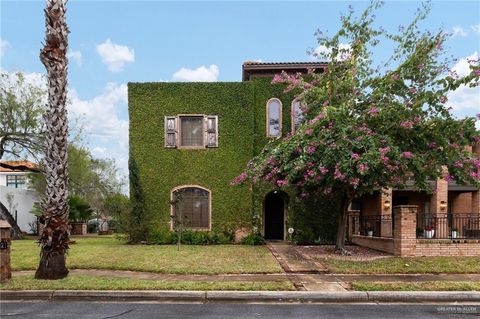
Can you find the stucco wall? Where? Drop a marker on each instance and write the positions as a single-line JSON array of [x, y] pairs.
[[22, 203]]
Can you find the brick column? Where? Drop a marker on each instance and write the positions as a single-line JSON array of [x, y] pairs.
[[476, 202], [404, 236], [5, 268], [385, 209], [353, 223], [439, 197]]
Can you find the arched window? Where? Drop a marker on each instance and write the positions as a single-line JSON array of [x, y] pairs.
[[297, 115], [274, 118], [191, 207]]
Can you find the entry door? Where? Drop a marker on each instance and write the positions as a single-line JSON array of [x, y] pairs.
[[274, 216]]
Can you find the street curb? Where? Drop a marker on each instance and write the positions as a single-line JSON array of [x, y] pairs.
[[241, 296]]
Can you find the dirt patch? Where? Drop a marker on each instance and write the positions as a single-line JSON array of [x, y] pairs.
[[328, 252]]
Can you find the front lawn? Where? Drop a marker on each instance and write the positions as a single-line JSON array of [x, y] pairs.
[[417, 286], [110, 253], [82, 282], [403, 265]]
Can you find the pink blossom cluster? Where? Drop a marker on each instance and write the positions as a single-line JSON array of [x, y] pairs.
[[355, 156], [362, 168], [338, 174], [282, 182], [239, 179], [406, 124], [407, 154]]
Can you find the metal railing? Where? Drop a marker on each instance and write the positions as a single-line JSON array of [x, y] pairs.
[[376, 225], [448, 226]]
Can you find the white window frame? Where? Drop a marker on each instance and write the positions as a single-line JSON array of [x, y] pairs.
[[268, 118]]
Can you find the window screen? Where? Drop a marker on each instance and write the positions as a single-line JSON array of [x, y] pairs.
[[193, 207], [274, 108], [191, 131]]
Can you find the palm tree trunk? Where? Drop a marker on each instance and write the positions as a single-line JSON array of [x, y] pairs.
[[54, 238]]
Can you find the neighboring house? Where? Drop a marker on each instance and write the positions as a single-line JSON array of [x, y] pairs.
[[188, 141], [15, 194]]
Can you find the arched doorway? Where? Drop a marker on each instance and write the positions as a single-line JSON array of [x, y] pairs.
[[274, 215]]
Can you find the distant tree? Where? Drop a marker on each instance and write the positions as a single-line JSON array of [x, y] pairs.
[[55, 235], [369, 128], [80, 210], [22, 105]]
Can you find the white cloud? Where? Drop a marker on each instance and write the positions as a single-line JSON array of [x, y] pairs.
[[200, 74], [75, 56], [115, 56], [459, 32], [476, 28], [323, 52], [3, 46], [101, 124], [465, 101]]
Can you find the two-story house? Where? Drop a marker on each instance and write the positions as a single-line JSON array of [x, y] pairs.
[[188, 141]]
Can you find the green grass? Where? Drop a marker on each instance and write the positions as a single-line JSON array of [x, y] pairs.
[[398, 265], [110, 253], [417, 286], [82, 282]]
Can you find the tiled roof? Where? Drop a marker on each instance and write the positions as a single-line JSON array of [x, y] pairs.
[[18, 166], [252, 68]]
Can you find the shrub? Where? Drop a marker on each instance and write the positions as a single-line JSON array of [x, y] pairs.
[[253, 239]]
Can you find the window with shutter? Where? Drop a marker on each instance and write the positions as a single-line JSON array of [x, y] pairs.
[[212, 131], [170, 131], [191, 131]]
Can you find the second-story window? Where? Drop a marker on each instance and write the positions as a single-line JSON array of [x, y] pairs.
[[274, 118], [297, 115], [16, 181], [191, 131]]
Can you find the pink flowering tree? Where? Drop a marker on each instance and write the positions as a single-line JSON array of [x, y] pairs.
[[368, 128]]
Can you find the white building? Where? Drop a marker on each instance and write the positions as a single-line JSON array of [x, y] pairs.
[[15, 194]]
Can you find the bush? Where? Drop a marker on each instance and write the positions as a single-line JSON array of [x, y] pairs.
[[189, 237], [253, 239]]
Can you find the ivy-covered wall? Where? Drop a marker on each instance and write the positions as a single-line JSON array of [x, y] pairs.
[[241, 111]]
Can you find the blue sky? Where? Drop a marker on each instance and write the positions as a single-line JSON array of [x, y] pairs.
[[115, 42]]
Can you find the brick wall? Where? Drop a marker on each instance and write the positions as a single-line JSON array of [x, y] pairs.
[[404, 233], [447, 247], [377, 243]]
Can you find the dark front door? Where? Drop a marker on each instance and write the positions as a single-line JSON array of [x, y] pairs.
[[274, 216]]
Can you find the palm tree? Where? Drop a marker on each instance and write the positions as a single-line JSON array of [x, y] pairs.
[[54, 238]]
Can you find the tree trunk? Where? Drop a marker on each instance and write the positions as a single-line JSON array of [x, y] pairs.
[[342, 223], [54, 238]]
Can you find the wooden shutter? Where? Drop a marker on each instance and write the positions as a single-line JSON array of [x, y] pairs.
[[170, 131], [211, 132]]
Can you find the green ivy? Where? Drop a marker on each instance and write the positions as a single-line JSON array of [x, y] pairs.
[[241, 110]]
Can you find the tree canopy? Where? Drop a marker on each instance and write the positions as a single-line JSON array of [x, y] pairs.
[[368, 127], [22, 105]]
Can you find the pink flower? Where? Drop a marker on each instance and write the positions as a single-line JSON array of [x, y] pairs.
[[311, 150], [355, 156], [406, 124], [412, 90], [282, 182], [362, 167], [420, 66], [407, 154], [477, 72], [394, 77], [326, 103], [354, 181], [443, 99], [338, 175], [239, 179], [323, 169], [373, 111], [458, 164], [384, 150], [309, 131]]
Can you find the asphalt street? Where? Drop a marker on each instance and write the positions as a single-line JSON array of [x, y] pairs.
[[220, 311]]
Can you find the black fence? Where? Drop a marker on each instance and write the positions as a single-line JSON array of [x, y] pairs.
[[448, 226], [376, 225]]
